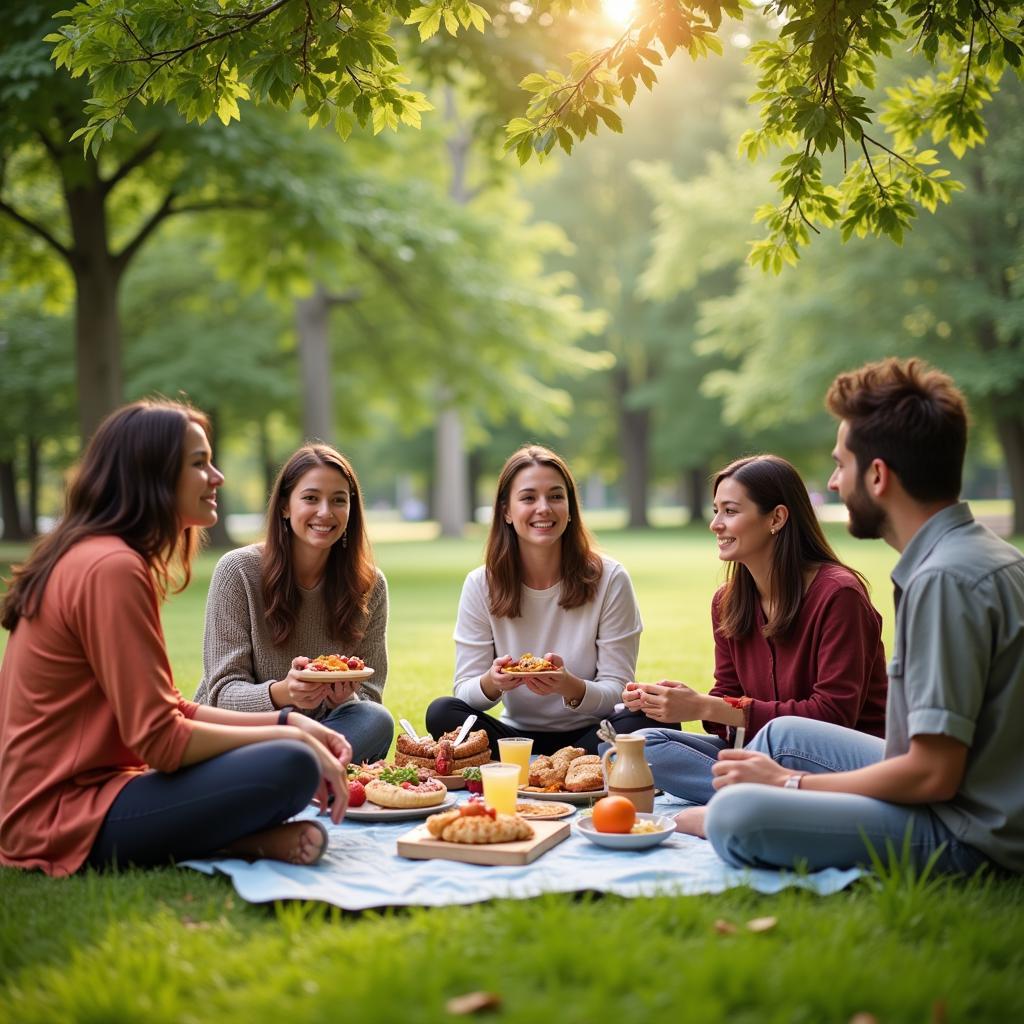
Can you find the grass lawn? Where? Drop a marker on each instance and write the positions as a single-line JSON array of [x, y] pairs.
[[172, 945]]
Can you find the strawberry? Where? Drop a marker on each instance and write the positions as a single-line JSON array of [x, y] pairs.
[[356, 794]]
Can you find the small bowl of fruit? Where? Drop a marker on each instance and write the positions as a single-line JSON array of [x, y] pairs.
[[617, 825]]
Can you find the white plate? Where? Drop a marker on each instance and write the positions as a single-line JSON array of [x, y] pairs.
[[572, 798], [374, 812], [355, 675], [546, 672], [559, 810], [629, 840]]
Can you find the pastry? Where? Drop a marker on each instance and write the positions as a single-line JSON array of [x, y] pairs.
[[530, 663], [474, 824], [455, 767], [570, 770], [426, 749]]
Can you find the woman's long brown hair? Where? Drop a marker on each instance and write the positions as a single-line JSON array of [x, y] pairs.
[[581, 564], [350, 573], [771, 481], [125, 486]]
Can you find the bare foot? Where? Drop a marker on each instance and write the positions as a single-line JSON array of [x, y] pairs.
[[295, 842], [691, 822]]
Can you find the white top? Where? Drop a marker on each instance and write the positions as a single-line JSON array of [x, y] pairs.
[[598, 642]]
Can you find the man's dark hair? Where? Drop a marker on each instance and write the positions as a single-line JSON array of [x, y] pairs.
[[909, 415]]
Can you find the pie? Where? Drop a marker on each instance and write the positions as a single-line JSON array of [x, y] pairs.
[[407, 794]]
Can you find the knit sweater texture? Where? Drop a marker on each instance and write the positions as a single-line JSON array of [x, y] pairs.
[[240, 658]]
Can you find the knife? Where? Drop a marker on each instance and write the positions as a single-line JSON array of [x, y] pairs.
[[410, 731], [464, 731]]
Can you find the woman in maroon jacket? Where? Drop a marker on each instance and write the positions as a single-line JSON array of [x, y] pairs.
[[795, 632]]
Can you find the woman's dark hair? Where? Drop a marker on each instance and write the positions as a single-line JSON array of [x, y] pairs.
[[350, 574], [581, 564], [125, 486], [771, 481]]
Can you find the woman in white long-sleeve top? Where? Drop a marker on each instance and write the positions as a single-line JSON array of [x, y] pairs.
[[543, 589]]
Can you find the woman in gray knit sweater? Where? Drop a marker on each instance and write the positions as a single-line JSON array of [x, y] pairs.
[[311, 588]]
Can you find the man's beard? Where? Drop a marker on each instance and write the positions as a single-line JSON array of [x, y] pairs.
[[866, 519]]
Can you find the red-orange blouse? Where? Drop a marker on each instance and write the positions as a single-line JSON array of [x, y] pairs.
[[87, 704]]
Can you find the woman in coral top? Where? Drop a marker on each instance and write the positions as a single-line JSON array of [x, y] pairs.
[[795, 632], [102, 762]]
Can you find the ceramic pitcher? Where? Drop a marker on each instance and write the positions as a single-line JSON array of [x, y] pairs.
[[627, 772]]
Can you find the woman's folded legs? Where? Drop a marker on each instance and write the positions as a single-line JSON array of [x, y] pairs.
[[202, 809]]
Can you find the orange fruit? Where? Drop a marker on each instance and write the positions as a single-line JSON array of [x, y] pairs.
[[614, 814]]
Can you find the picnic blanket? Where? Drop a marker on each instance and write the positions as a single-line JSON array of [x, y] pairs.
[[361, 870]]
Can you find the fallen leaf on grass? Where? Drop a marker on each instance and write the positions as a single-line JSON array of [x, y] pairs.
[[939, 1011], [473, 1002], [863, 1018], [725, 927], [193, 925], [762, 924]]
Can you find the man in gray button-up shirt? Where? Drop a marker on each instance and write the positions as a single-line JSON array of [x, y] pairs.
[[948, 773]]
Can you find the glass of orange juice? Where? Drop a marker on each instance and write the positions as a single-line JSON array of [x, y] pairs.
[[517, 750], [500, 783]]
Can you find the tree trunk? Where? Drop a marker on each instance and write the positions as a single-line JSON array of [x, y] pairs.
[[218, 534], [97, 321], [312, 320], [696, 478], [32, 471], [1009, 423], [451, 494], [266, 459], [14, 529], [634, 440], [474, 470]]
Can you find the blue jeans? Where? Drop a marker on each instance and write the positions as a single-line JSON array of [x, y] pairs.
[[196, 811], [767, 827], [367, 725], [681, 762]]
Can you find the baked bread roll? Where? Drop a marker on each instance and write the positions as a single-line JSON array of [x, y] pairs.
[[474, 744], [426, 794], [584, 775], [456, 766]]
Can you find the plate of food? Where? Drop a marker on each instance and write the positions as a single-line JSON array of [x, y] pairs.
[[530, 665], [579, 799], [370, 811], [397, 793], [647, 830], [333, 668], [569, 774], [543, 810]]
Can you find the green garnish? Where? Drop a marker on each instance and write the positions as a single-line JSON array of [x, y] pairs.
[[396, 776], [472, 774]]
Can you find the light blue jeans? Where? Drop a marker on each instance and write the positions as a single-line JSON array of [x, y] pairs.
[[681, 762], [767, 827], [367, 725]]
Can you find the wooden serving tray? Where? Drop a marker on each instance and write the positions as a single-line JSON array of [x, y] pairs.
[[419, 844]]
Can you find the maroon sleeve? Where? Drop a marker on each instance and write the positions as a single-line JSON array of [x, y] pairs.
[[727, 683], [850, 632]]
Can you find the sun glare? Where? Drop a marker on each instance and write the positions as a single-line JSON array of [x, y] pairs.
[[619, 11]]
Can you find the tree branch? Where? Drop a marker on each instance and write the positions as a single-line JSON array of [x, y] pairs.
[[161, 213], [36, 229], [139, 157]]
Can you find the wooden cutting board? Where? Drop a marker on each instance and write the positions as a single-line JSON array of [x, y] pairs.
[[419, 844]]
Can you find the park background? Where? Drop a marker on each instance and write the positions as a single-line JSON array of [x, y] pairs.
[[425, 305]]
